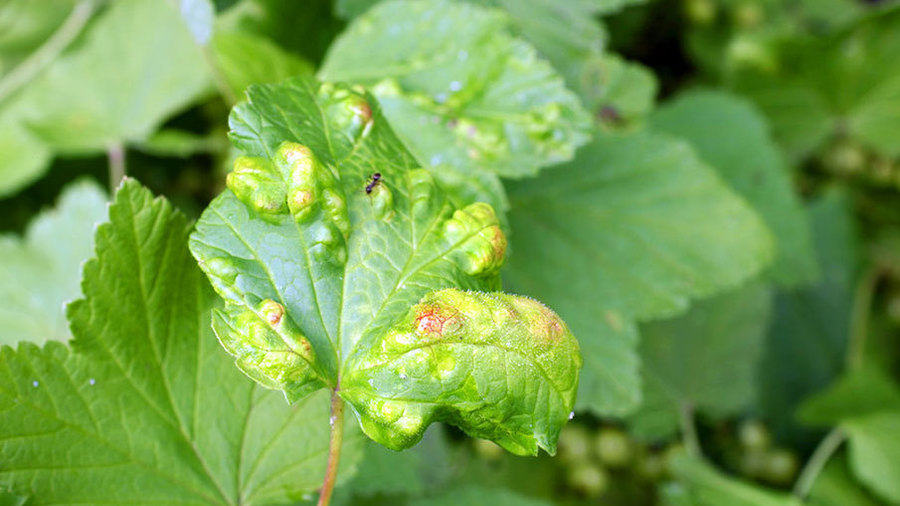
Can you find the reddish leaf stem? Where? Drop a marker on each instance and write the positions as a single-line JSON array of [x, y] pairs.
[[334, 448]]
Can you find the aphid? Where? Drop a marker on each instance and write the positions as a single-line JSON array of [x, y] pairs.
[[376, 177]]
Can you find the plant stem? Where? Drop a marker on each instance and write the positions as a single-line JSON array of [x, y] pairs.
[[817, 462], [40, 58], [859, 318], [116, 155], [334, 448], [689, 431]]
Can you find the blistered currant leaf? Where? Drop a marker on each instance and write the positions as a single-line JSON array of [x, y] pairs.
[[484, 361], [329, 233], [459, 89]]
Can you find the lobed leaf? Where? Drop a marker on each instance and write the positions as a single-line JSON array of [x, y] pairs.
[[732, 137], [706, 358], [461, 92], [148, 409], [39, 273], [319, 263]]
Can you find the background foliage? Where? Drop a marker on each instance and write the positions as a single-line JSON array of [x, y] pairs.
[[704, 190]]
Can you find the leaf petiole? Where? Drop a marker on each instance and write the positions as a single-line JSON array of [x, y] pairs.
[[334, 448]]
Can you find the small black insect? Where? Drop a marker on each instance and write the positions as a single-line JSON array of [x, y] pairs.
[[376, 177]]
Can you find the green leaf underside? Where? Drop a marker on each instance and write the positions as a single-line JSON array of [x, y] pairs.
[[634, 227], [459, 90], [316, 272], [40, 272], [136, 66], [25, 157], [733, 138], [700, 484], [148, 409], [706, 358]]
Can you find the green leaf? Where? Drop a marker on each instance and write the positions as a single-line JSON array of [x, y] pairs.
[[40, 272], [137, 65], [857, 393], [23, 157], [835, 486], [730, 135], [806, 344], [706, 359], [245, 59], [475, 494], [610, 384], [875, 451], [459, 89], [148, 409], [637, 224], [180, 143], [622, 93], [199, 16], [25, 25], [321, 267], [701, 484], [845, 84], [634, 227], [385, 472]]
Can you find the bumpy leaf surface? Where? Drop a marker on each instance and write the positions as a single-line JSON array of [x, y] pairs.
[[730, 135], [320, 263], [459, 89], [148, 409], [40, 272]]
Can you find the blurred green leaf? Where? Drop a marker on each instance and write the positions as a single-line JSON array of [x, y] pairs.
[[245, 59], [475, 494], [610, 383], [730, 135], [875, 451], [835, 486], [136, 66], [706, 359], [148, 409], [635, 226], [459, 89], [700, 484], [847, 84], [40, 272], [25, 25], [857, 393], [619, 92], [199, 15], [23, 157], [805, 347]]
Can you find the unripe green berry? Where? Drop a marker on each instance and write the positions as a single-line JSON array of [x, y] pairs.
[[613, 447], [754, 435], [780, 466], [700, 12], [574, 444], [588, 479]]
